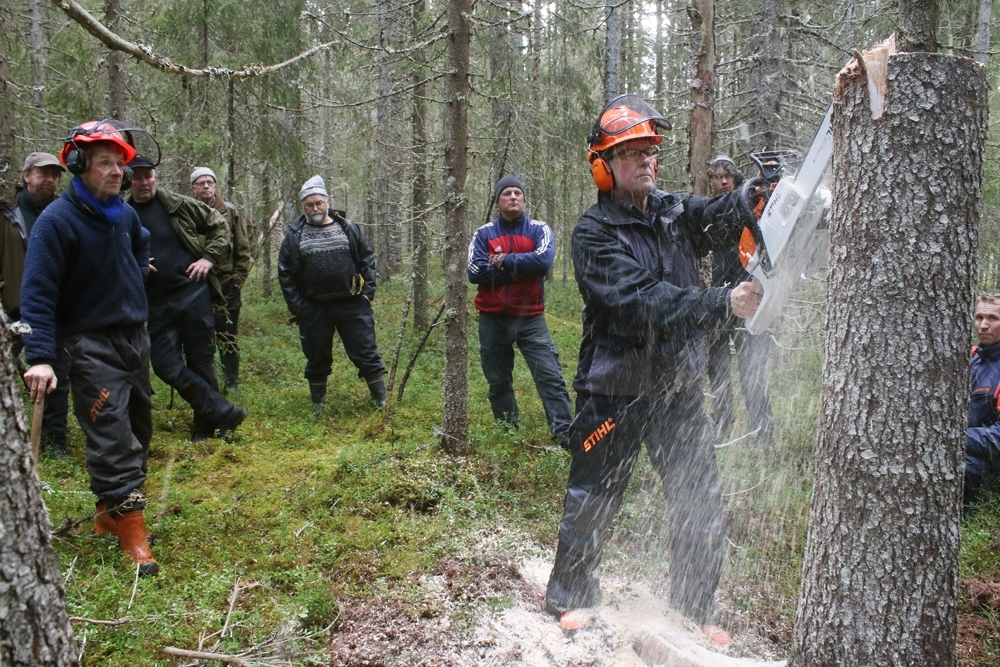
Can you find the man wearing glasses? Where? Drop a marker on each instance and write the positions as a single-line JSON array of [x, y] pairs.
[[642, 359], [326, 268]]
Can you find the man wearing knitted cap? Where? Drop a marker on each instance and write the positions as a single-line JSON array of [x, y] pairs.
[[40, 178], [232, 272], [327, 273], [508, 260]]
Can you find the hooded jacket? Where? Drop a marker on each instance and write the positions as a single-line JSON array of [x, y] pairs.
[[644, 312], [518, 286]]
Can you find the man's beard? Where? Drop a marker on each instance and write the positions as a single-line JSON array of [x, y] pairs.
[[317, 218]]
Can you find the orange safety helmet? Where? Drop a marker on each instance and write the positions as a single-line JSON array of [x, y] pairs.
[[93, 131], [625, 118]]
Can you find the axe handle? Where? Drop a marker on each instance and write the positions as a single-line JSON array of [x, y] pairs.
[[36, 428]]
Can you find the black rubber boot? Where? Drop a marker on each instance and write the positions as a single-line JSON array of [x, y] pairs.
[[377, 388], [231, 372], [318, 392]]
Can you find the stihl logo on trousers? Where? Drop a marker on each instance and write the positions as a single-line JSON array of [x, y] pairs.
[[598, 434], [98, 404]]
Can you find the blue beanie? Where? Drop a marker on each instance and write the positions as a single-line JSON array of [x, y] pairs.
[[508, 181]]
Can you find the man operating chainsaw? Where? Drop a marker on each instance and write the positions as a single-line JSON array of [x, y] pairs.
[[641, 364]]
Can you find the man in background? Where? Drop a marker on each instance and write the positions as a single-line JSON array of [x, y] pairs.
[[187, 239], [752, 352], [508, 260], [327, 273], [40, 178], [232, 272]]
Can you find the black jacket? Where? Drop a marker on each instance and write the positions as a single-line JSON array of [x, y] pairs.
[[290, 260], [644, 313]]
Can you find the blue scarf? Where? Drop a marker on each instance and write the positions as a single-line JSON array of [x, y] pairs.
[[111, 209]]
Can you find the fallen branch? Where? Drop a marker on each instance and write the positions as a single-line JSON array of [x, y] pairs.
[[145, 54], [202, 655], [413, 359], [94, 621], [399, 338]]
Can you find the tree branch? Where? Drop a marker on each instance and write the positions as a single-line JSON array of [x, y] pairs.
[[145, 54]]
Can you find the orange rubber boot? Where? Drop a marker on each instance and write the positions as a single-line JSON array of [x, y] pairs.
[[104, 524], [716, 634], [133, 538]]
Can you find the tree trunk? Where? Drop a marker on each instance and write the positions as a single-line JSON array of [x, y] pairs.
[[702, 138], [421, 167], [880, 576], [265, 242], [388, 197], [37, 47], [658, 50], [981, 45], [10, 173], [35, 628], [612, 57], [116, 72], [455, 436], [918, 23], [766, 77]]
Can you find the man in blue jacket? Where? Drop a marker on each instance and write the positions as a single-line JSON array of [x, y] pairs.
[[508, 260], [982, 439], [642, 361], [83, 290]]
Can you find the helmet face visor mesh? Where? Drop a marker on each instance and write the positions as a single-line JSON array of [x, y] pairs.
[[625, 112]]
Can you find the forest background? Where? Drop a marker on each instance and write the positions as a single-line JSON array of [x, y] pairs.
[[367, 109]]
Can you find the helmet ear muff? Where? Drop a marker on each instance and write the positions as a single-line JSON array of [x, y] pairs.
[[126, 178], [604, 179], [76, 161]]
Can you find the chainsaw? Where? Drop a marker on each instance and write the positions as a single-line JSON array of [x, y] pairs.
[[793, 236]]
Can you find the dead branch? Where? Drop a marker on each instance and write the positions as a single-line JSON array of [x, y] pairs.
[[413, 359], [94, 621], [202, 655], [272, 221], [145, 54], [402, 331]]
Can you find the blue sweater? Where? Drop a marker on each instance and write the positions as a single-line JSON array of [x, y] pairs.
[[81, 274]]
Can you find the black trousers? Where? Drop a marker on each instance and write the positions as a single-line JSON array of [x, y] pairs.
[[350, 317], [112, 400], [182, 339], [227, 327], [605, 440]]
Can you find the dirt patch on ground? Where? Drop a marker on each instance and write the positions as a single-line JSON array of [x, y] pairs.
[[978, 629], [488, 611]]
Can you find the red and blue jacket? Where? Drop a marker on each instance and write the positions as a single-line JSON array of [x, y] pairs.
[[982, 439], [518, 286]]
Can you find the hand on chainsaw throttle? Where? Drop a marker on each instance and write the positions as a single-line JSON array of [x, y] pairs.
[[745, 298]]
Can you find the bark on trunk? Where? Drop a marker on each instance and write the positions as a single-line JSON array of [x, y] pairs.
[[981, 45], [388, 194], [881, 564], [38, 46], [702, 138], [10, 173], [35, 628], [767, 75], [116, 71], [455, 436], [612, 57], [421, 168], [918, 23]]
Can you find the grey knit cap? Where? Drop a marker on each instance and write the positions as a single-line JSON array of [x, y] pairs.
[[202, 171], [722, 158], [314, 186], [508, 181]]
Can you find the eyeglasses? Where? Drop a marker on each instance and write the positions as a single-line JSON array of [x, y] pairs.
[[633, 154]]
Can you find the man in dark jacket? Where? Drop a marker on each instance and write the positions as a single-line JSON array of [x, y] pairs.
[[40, 177], [232, 274], [641, 364], [508, 259], [752, 351], [187, 239], [83, 292], [327, 273], [982, 439]]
